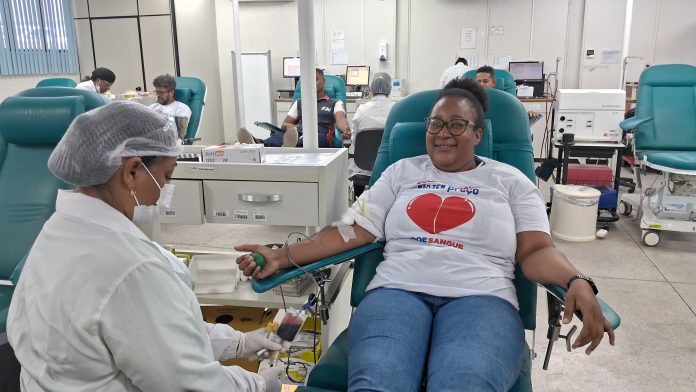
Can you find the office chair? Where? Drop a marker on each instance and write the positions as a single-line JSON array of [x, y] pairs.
[[665, 139], [192, 92], [365, 152], [30, 128], [335, 88], [57, 82], [503, 80], [506, 139], [91, 99]]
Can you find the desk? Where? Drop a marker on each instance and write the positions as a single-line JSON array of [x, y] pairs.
[[246, 297], [311, 189]]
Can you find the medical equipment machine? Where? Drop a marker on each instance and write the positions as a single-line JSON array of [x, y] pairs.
[[591, 115]]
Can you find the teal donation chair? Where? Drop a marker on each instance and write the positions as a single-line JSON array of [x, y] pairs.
[[192, 92], [56, 82], [91, 99], [506, 139], [30, 128], [503, 80], [335, 87], [665, 139]]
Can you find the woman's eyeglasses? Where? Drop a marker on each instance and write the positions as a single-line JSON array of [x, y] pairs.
[[455, 127]]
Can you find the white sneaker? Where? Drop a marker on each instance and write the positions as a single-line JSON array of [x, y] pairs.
[[290, 137], [244, 136]]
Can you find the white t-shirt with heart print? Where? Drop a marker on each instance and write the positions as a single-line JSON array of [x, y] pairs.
[[449, 234]]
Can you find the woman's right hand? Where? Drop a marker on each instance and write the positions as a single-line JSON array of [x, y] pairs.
[[248, 266]]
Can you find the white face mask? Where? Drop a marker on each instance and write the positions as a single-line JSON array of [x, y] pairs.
[[147, 214]]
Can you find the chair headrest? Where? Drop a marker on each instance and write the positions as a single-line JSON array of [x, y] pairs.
[[92, 100], [28, 121], [330, 91], [183, 95], [672, 75]]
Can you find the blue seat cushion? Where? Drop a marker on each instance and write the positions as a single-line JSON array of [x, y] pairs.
[[682, 160], [331, 373]]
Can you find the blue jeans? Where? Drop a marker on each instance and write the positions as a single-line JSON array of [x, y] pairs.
[[276, 140], [462, 344]]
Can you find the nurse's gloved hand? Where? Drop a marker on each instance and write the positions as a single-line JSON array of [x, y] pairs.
[[272, 376], [251, 342]]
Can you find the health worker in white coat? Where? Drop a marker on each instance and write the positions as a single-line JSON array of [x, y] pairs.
[[100, 307]]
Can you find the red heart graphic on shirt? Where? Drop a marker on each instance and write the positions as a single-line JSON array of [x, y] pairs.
[[434, 215]]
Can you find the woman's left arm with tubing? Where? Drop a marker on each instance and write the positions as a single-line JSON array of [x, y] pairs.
[[543, 263], [362, 224]]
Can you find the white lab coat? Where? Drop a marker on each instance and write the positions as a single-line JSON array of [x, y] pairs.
[[453, 72], [87, 85], [371, 114], [100, 307]]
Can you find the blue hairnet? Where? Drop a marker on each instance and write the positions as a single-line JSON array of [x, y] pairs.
[[92, 149], [381, 83]]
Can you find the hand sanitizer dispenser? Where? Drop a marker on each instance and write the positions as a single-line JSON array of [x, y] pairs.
[[383, 51]]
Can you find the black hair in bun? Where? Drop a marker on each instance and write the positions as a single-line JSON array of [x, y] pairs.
[[470, 90]]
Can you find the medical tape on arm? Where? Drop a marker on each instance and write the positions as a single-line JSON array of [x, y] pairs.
[[345, 225]]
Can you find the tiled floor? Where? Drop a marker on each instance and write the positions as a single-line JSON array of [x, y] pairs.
[[652, 289]]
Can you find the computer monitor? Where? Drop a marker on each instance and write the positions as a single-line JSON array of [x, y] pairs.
[[357, 75], [291, 67], [527, 70]]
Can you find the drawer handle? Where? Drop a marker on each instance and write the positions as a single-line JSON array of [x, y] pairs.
[[260, 198]]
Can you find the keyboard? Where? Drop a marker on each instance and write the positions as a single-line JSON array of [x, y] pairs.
[[354, 95]]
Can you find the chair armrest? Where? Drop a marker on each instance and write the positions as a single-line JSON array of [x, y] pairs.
[[633, 122], [268, 126], [284, 275], [609, 313]]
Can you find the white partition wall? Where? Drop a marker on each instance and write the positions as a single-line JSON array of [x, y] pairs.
[[133, 38], [117, 47]]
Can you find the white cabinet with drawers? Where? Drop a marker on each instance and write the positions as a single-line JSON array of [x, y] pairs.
[[303, 187]]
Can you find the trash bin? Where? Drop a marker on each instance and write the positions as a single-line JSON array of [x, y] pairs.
[[574, 212]]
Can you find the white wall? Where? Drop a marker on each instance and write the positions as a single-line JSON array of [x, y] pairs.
[[604, 29], [532, 29], [198, 56]]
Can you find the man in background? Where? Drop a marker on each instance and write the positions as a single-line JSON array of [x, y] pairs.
[[485, 76], [371, 114], [330, 114], [165, 86], [456, 71]]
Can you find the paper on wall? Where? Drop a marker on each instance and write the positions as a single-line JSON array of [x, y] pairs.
[[339, 56], [497, 30], [472, 60], [610, 56], [338, 40], [468, 38], [500, 61]]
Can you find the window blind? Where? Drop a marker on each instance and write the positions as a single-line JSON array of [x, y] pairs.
[[38, 37]]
